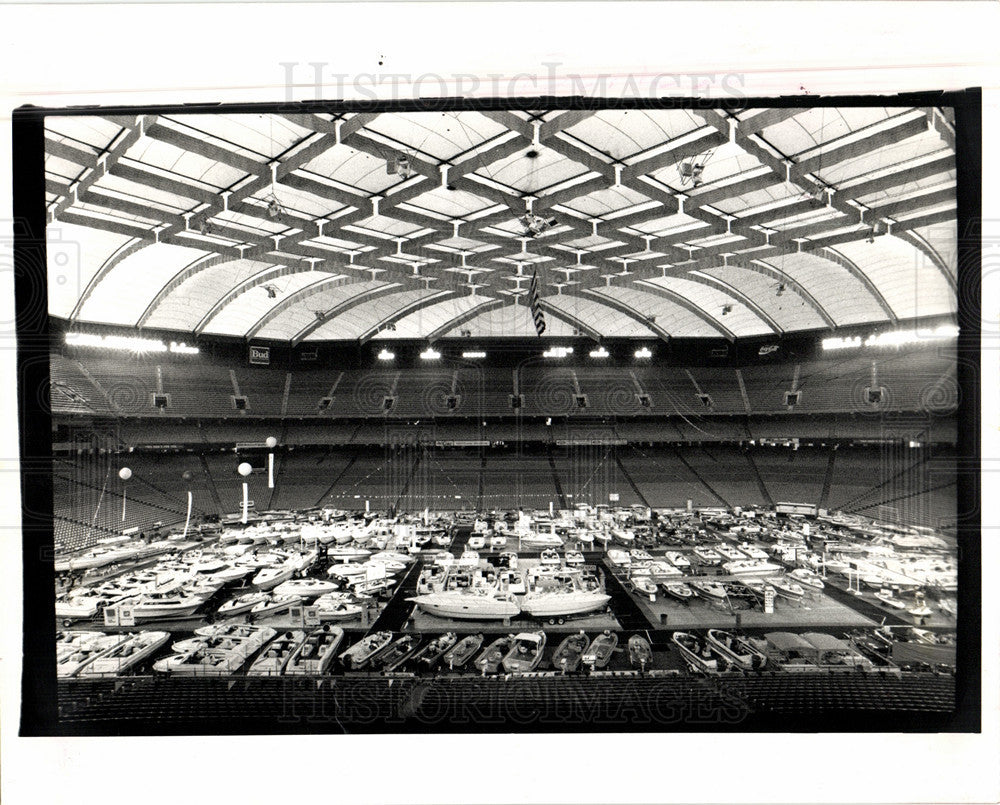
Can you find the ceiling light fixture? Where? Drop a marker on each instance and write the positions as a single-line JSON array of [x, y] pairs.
[[643, 352]]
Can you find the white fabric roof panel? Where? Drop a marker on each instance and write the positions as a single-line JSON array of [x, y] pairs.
[[943, 238], [186, 164], [255, 135], [623, 133], [93, 131], [75, 254], [740, 320], [920, 145], [187, 304], [607, 321], [812, 127], [353, 168], [441, 135], [510, 321], [355, 322], [840, 293], [287, 324], [789, 310], [908, 280], [670, 316], [126, 291], [421, 323], [245, 310]]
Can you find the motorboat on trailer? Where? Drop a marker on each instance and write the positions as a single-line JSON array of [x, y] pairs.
[[679, 591], [556, 595], [536, 540], [274, 604], [601, 650], [569, 653], [315, 654], [347, 570], [430, 654], [735, 650], [241, 604], [709, 590], [125, 656], [492, 658], [395, 655], [306, 588], [362, 652], [463, 651], [472, 603], [695, 653], [525, 653], [656, 570], [640, 653], [276, 654]]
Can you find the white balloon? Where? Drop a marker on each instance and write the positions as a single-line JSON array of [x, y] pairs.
[[124, 473], [271, 442], [244, 469]]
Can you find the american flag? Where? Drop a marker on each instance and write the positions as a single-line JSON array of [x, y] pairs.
[[536, 308]]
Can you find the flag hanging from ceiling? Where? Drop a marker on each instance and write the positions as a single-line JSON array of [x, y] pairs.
[[536, 308]]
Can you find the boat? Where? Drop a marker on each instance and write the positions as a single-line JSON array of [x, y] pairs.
[[276, 654], [125, 656], [730, 553], [273, 604], [396, 653], [490, 660], [808, 579], [570, 652], [349, 554], [482, 602], [239, 638], [305, 588], [644, 585], [735, 650], [556, 595], [550, 556], [639, 555], [241, 604], [574, 558], [709, 590], [469, 558], [498, 541], [337, 607], [347, 570], [753, 551], [178, 604], [362, 652], [463, 651], [786, 588], [201, 662], [695, 653], [525, 653], [678, 560], [678, 591], [640, 653], [706, 555], [68, 642], [623, 535], [477, 543], [430, 654], [270, 577], [887, 598], [750, 567], [71, 661], [619, 557], [532, 540], [315, 654], [601, 650]]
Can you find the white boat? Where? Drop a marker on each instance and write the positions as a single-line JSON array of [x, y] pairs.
[[306, 588], [239, 638], [469, 558], [735, 650], [811, 581], [709, 590], [347, 570], [125, 656], [599, 654], [70, 662], [678, 560], [362, 652], [535, 540], [79, 606], [469, 604], [477, 543], [657, 570], [550, 556], [179, 604], [271, 577], [730, 553], [707, 555], [349, 554], [201, 662], [574, 558], [336, 608], [639, 555], [887, 598], [430, 654], [695, 653], [275, 656], [753, 551], [556, 595], [315, 654], [526, 652], [498, 541], [274, 604], [241, 604], [618, 557], [585, 538], [644, 585], [68, 642], [786, 588], [750, 567], [463, 651], [678, 591]]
